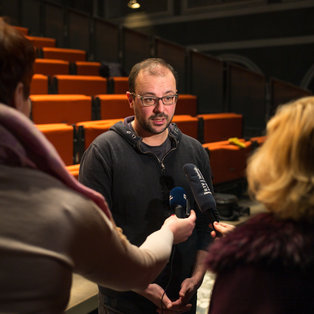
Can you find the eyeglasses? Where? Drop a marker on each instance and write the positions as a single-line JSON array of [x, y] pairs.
[[147, 101]]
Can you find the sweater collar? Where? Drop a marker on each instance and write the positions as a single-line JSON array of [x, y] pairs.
[[126, 131]]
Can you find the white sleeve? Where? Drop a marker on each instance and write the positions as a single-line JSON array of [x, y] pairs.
[[102, 255]]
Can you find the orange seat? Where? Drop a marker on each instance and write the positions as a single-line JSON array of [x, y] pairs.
[[113, 106], [187, 124], [61, 137], [119, 84], [221, 126], [89, 130], [62, 53], [259, 140], [41, 41], [51, 66], [74, 170], [83, 84], [61, 108], [186, 105], [23, 30], [228, 161], [39, 84], [86, 68]]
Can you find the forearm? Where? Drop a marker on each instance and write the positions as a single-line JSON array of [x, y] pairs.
[[200, 267], [190, 285], [137, 267], [102, 254]]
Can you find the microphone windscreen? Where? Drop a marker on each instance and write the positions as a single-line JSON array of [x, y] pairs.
[[177, 197]]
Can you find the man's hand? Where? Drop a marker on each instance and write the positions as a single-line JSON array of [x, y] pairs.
[[177, 307], [181, 305], [188, 288], [154, 293]]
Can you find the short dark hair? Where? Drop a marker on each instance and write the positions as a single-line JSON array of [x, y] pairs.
[[150, 64], [17, 56]]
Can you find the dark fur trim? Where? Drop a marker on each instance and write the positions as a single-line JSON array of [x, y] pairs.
[[266, 241]]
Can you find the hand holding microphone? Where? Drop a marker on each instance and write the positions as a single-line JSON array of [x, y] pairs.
[[202, 193], [179, 204], [181, 228]]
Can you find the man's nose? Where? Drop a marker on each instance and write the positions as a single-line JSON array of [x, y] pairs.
[[159, 105]]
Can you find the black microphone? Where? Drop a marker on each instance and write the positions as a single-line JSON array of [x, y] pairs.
[[179, 203], [202, 193]]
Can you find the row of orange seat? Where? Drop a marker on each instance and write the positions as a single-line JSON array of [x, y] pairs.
[[72, 140], [76, 107], [228, 161], [77, 84], [58, 66]]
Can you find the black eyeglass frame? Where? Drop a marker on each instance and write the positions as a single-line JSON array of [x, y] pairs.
[[157, 99]]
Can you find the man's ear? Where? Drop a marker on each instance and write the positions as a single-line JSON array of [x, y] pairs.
[[19, 97], [130, 99]]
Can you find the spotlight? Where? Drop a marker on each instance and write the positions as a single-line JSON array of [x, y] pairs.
[[133, 4]]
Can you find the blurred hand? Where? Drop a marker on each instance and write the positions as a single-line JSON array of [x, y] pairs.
[[176, 308], [181, 228], [221, 227], [156, 295]]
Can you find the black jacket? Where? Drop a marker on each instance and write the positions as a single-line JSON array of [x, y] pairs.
[[136, 186]]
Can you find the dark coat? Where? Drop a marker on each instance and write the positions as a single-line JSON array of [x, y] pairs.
[[264, 266]]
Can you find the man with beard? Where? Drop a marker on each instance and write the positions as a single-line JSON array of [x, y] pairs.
[[135, 165]]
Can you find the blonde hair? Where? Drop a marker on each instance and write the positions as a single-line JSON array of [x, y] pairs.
[[281, 172]]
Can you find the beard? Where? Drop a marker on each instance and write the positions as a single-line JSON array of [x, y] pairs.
[[145, 125]]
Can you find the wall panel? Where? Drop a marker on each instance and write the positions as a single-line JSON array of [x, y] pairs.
[[175, 55], [246, 94], [206, 82], [136, 47]]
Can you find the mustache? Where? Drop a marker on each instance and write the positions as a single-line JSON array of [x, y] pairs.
[[159, 115]]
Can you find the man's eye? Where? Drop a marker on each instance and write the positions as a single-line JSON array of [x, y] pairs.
[[149, 99], [168, 98]]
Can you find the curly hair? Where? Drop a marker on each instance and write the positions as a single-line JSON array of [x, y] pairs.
[[17, 56], [281, 172]]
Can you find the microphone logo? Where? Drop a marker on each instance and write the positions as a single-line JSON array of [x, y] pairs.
[[202, 181]]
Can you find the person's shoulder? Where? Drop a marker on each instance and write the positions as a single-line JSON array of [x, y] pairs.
[[182, 137], [264, 238], [191, 139], [45, 194], [192, 143], [118, 130]]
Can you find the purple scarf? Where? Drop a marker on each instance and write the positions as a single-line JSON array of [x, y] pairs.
[[23, 145]]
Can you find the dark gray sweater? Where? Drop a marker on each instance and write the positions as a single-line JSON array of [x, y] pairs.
[[136, 185]]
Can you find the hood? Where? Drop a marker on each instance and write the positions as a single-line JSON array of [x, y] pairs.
[[124, 130]]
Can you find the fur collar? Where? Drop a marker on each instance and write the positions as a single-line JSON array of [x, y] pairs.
[[266, 241]]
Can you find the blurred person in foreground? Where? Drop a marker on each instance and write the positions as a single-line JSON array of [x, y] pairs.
[[267, 264], [50, 224]]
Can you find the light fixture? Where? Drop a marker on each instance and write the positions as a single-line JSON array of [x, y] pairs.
[[133, 4]]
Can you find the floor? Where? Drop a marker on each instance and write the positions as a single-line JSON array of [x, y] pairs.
[[203, 296]]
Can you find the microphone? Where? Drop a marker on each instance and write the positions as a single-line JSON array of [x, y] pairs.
[[179, 203], [202, 193]]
